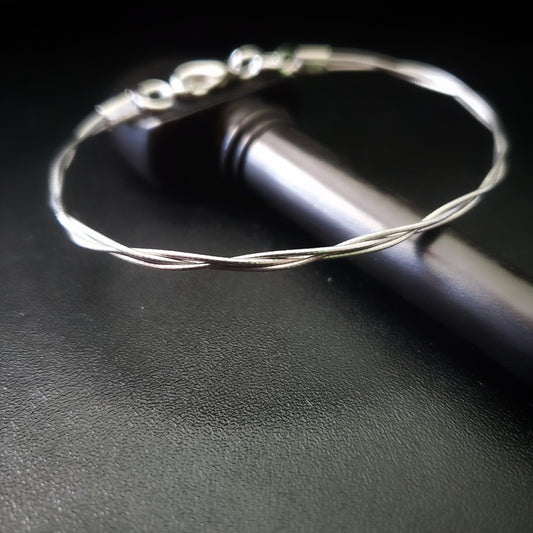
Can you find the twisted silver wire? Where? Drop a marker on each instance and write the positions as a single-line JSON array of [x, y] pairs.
[[421, 74]]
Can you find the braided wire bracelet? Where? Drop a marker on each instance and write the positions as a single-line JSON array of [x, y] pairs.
[[197, 78]]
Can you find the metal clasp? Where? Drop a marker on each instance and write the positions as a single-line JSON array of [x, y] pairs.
[[197, 78], [248, 61]]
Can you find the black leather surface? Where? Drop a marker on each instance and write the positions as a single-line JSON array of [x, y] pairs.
[[306, 400]]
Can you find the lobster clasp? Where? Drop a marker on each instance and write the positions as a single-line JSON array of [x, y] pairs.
[[197, 78]]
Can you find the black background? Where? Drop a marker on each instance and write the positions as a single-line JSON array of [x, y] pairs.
[[306, 400]]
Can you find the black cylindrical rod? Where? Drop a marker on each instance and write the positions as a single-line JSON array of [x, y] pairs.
[[439, 272]]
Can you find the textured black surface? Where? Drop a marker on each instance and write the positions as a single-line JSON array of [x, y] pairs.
[[307, 400]]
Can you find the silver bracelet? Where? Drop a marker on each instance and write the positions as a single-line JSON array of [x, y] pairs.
[[198, 78]]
